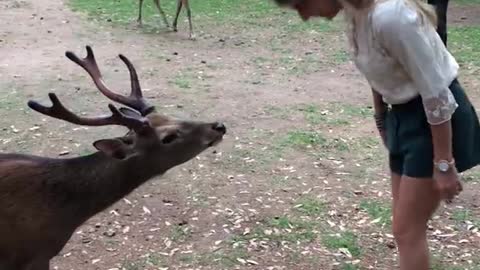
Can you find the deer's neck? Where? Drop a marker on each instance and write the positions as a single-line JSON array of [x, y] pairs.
[[96, 182]]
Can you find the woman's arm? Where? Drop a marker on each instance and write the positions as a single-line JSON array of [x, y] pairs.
[[379, 106], [447, 183], [380, 109], [442, 141]]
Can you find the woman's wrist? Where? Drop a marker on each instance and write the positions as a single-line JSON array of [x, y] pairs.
[[380, 110], [442, 142]]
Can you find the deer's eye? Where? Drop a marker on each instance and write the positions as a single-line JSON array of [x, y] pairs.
[[127, 140], [170, 138]]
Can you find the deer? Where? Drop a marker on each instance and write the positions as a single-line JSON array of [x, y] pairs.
[[441, 8], [44, 200], [180, 4]]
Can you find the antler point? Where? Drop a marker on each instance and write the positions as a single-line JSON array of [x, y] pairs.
[[31, 103]]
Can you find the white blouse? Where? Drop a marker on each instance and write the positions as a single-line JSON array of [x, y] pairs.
[[402, 56]]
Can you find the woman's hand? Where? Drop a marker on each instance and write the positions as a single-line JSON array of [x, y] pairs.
[[447, 183]]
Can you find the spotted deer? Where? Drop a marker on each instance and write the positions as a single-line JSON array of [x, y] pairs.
[[180, 4], [43, 200]]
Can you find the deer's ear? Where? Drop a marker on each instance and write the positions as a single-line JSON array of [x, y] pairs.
[[114, 148], [130, 112]]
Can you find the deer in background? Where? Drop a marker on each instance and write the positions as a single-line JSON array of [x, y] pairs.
[[43, 200], [180, 3], [441, 7]]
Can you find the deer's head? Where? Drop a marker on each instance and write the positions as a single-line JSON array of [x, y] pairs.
[[157, 137]]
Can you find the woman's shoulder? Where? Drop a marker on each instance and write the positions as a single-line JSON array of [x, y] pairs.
[[393, 15]]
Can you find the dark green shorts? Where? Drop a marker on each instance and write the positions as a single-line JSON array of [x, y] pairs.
[[409, 141]]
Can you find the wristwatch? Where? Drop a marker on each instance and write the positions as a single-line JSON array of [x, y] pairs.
[[444, 165]]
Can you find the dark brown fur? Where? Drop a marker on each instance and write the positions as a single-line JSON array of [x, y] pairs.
[[43, 200]]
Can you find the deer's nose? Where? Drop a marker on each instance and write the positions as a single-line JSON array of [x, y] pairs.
[[220, 127]]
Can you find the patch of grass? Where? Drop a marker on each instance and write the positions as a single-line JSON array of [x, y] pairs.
[[366, 143], [134, 265], [141, 264], [466, 216], [346, 241], [468, 2], [310, 206], [462, 215], [11, 101], [199, 200], [187, 258], [309, 139], [279, 181], [312, 114], [303, 139], [214, 11], [472, 176], [251, 159], [377, 211], [300, 65], [189, 78], [464, 42], [182, 81], [18, 4], [281, 229], [154, 260], [336, 114], [437, 264], [278, 112], [180, 233], [289, 63], [222, 258], [228, 14], [353, 110], [341, 56], [338, 145], [261, 61], [349, 266]]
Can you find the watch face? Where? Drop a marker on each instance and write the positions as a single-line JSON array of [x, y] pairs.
[[443, 167]]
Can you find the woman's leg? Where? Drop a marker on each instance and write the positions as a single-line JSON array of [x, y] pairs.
[[395, 178], [418, 200]]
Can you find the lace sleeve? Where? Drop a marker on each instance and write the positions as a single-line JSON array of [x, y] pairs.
[[413, 43], [439, 109]]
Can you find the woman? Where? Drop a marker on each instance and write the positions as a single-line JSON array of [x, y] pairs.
[[429, 126]]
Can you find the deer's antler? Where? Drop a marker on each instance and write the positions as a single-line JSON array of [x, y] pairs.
[[57, 110], [134, 101]]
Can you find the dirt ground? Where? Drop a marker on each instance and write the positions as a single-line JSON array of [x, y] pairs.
[[200, 215]]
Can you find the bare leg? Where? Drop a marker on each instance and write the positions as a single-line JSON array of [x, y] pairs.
[[175, 20], [396, 180], [189, 15], [418, 199], [139, 20], [160, 10]]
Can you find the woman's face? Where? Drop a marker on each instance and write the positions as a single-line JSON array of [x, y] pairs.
[[313, 8]]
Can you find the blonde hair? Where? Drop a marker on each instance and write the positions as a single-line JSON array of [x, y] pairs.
[[425, 10]]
